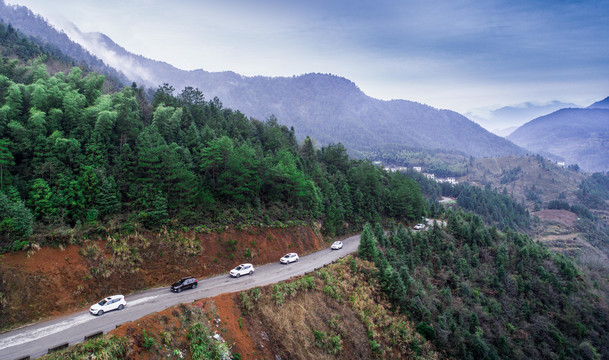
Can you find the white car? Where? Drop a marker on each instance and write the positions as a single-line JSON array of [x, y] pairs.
[[115, 302], [419, 226], [337, 245], [243, 269], [289, 258]]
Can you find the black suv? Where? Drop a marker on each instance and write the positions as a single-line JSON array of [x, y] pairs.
[[184, 283]]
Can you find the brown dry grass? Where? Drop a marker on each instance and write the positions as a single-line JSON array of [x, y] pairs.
[[344, 300], [549, 179], [564, 217], [290, 327]]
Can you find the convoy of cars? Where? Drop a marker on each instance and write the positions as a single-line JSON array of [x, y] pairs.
[[118, 302], [115, 302]]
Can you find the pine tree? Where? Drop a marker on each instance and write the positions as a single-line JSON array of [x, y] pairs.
[[41, 200], [367, 248], [6, 159]]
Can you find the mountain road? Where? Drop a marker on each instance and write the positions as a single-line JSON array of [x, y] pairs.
[[37, 339]]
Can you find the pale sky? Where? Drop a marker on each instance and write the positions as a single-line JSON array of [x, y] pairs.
[[450, 54]]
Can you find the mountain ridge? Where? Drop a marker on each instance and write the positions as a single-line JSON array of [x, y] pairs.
[[328, 108], [602, 104], [333, 109], [580, 136]]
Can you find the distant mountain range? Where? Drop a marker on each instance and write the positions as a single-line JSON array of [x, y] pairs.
[[326, 107], [603, 104], [504, 120], [579, 136]]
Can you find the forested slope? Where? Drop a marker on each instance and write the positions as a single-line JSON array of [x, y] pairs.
[[579, 136], [478, 293], [74, 157]]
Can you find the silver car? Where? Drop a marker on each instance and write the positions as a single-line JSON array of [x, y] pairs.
[[289, 258], [243, 269], [115, 302], [419, 226]]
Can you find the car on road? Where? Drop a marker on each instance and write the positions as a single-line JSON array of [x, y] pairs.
[[337, 245], [243, 269], [419, 226], [115, 302], [289, 258], [184, 283]]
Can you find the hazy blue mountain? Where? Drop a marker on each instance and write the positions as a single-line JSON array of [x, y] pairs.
[[603, 104], [326, 107], [580, 136], [504, 132], [507, 117]]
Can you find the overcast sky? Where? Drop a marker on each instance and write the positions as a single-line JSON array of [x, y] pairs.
[[452, 54]]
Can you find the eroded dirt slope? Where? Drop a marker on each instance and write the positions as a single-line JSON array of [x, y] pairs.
[[52, 281]]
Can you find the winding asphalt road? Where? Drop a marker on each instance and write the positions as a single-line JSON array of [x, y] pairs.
[[36, 340]]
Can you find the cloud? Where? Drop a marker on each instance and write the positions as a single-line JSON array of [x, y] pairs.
[[97, 45], [456, 54]]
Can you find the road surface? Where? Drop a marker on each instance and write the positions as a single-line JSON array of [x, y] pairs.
[[36, 340]]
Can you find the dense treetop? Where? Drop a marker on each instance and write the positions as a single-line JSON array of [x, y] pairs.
[[478, 293]]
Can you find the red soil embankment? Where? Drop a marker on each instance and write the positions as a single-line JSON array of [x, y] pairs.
[[55, 281]]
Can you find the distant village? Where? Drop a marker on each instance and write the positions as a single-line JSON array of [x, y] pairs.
[[392, 168]]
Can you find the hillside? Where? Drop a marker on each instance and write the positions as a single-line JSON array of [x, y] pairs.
[[77, 159], [328, 108], [479, 293], [531, 180], [464, 291], [42, 33], [579, 136], [297, 319], [331, 109], [569, 207]]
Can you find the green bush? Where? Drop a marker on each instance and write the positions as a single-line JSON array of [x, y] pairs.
[[426, 330]]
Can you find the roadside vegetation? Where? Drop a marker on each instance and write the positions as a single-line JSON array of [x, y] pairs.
[[189, 333], [336, 312]]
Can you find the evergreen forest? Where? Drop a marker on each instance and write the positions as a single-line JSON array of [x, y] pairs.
[[75, 156], [478, 293]]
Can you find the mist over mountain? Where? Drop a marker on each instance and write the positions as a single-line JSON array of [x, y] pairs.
[[504, 120], [41, 32], [328, 108], [579, 136], [504, 132]]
